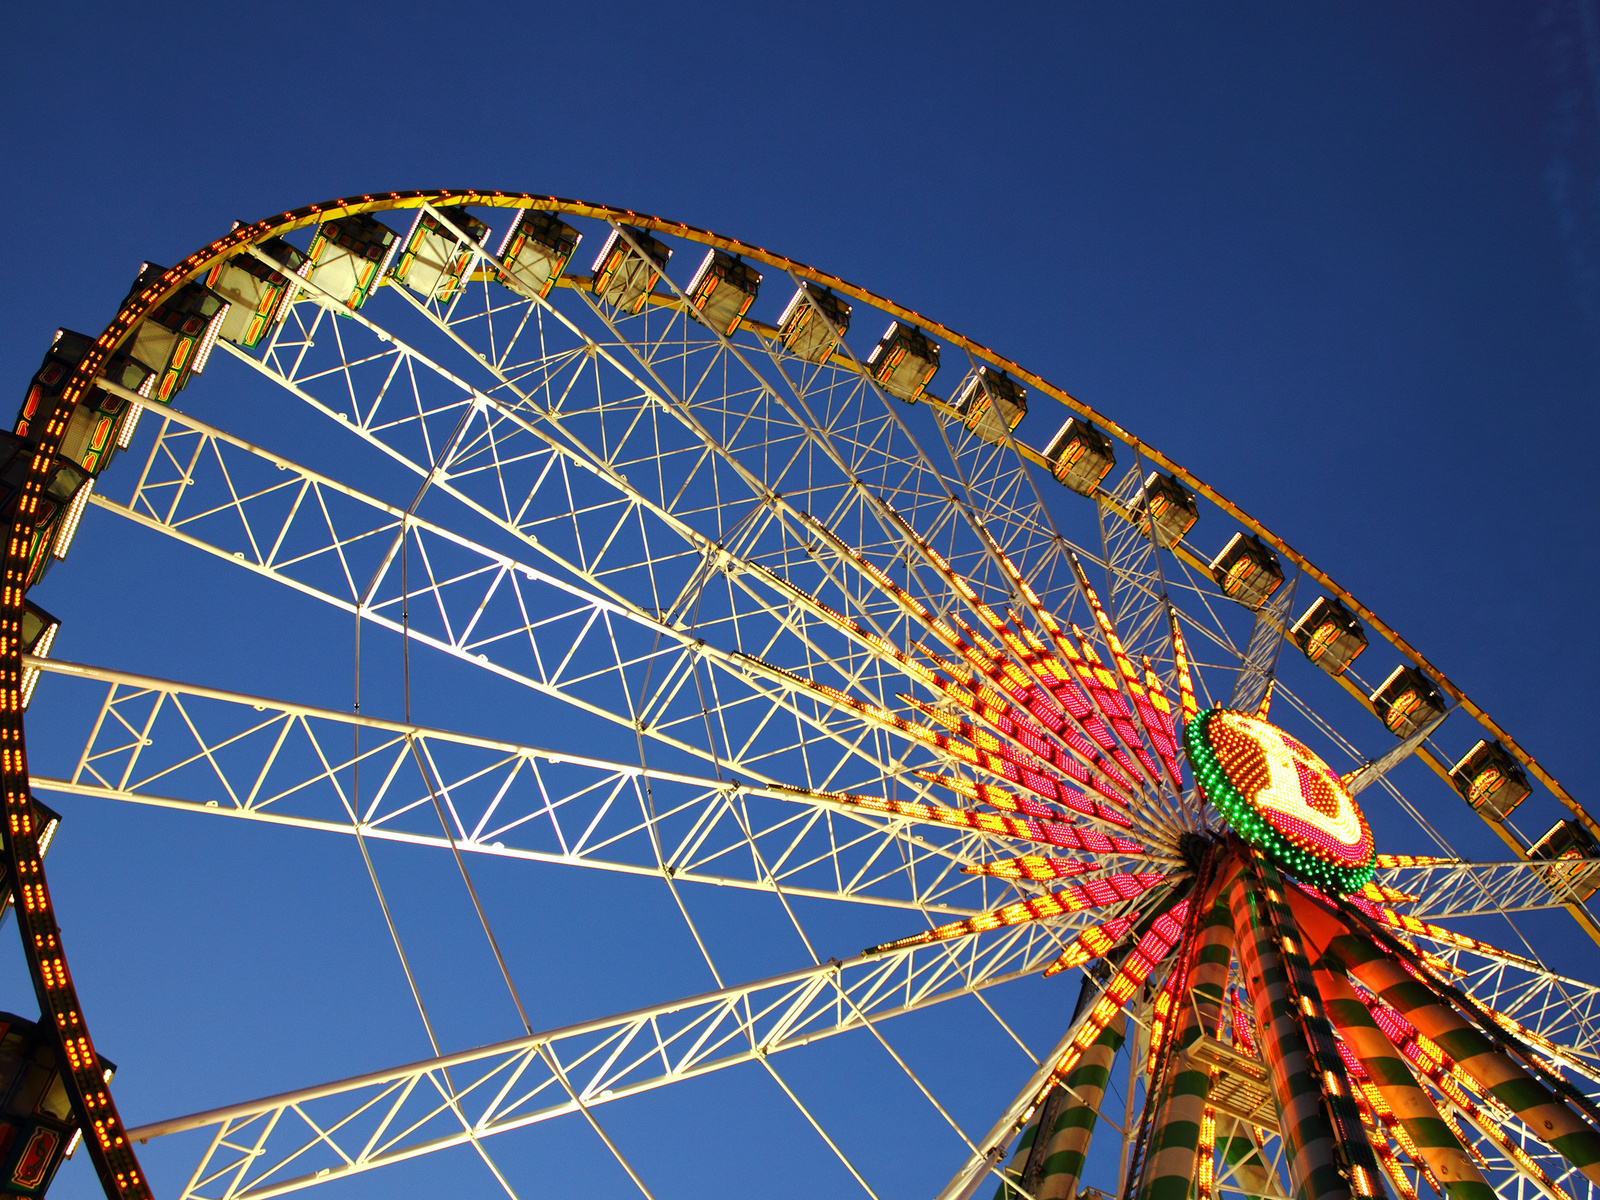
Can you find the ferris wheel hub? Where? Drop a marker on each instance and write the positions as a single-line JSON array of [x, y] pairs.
[[1281, 798]]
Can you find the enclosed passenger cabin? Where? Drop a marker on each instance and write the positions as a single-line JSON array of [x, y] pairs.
[[991, 404], [53, 524], [1406, 701], [536, 250], [1168, 507], [95, 430], [174, 340], [1492, 781], [258, 297], [903, 361], [37, 1126], [349, 256], [1247, 570], [813, 322], [1569, 842], [1329, 635], [623, 277], [434, 258], [722, 290], [1080, 456], [39, 630]]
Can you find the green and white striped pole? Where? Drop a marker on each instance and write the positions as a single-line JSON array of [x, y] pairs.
[[1545, 1115], [1175, 1141], [1054, 1170], [1436, 1145], [1308, 1136]]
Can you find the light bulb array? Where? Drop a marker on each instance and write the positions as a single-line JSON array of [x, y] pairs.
[[1281, 798]]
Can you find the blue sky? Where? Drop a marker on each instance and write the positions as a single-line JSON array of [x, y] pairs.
[[1343, 262]]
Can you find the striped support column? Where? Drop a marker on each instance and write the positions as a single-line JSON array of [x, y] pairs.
[[1019, 1160], [1055, 1172], [1551, 1121], [1308, 1136], [1437, 1146], [1170, 1168]]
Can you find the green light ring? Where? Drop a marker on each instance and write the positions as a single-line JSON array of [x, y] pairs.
[[1212, 780]]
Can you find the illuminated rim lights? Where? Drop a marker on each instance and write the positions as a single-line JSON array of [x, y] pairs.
[[1281, 798]]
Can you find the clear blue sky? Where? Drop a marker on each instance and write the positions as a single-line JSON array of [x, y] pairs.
[[1342, 261]]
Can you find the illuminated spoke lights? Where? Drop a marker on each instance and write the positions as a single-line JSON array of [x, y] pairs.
[[1180, 657], [1281, 798], [1391, 861], [1149, 952], [1382, 893], [1159, 732], [1092, 944], [1094, 894], [1383, 1127], [1049, 833], [1037, 867]]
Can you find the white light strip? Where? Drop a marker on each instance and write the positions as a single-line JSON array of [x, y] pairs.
[[210, 339], [394, 248], [41, 647], [511, 230], [130, 422], [30, 679], [69, 523], [46, 836], [77, 1136]]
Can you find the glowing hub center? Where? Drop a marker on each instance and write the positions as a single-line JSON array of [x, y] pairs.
[[1281, 798]]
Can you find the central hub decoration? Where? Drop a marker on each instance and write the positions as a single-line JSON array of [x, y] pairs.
[[1281, 798]]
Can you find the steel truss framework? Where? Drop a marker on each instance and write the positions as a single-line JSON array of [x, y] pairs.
[[735, 559]]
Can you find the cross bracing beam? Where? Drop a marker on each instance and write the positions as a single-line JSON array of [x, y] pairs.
[[219, 753], [991, 561], [718, 446], [645, 374], [614, 660], [326, 539], [1467, 889], [331, 1131], [1563, 1011], [1259, 663]]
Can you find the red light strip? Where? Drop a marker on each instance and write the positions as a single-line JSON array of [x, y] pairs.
[[1038, 867], [1094, 894], [1066, 664], [1163, 708], [1102, 685], [1151, 949], [1242, 1036], [1164, 743], [1049, 833], [1004, 761]]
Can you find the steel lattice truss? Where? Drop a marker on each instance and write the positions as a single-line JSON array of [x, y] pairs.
[[735, 564]]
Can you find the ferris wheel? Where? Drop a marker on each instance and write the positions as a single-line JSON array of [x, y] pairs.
[[668, 560]]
